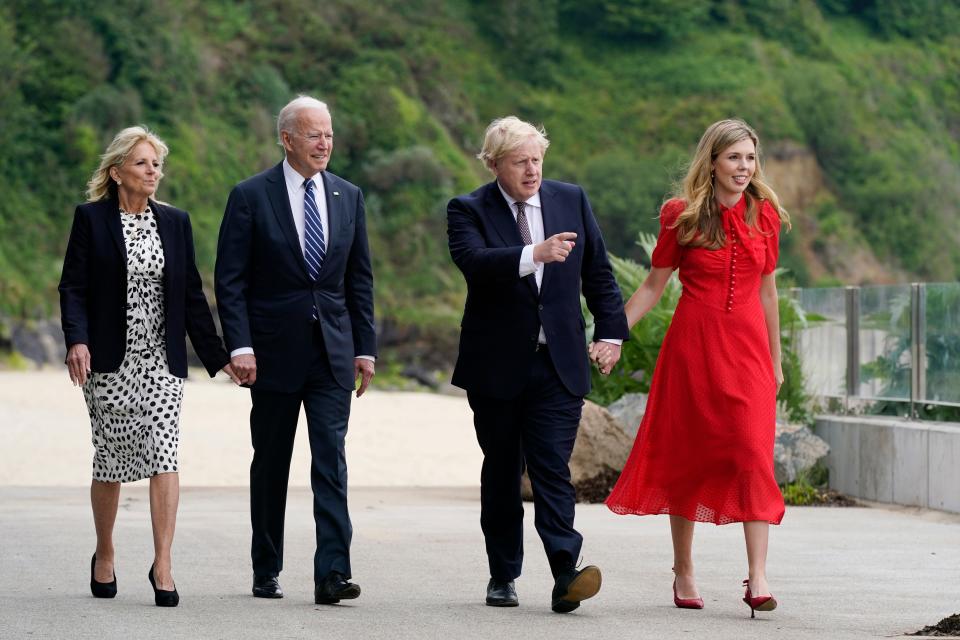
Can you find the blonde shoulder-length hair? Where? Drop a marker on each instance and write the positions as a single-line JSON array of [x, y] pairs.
[[699, 223], [101, 184]]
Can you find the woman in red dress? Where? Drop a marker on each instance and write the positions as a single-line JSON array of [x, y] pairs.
[[704, 451]]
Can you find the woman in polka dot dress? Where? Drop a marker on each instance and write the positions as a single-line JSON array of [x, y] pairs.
[[129, 293]]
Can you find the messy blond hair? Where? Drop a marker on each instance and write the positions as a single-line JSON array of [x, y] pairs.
[[506, 134], [699, 223], [101, 184]]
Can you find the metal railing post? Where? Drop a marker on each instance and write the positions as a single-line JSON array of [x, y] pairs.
[[918, 346], [853, 343]]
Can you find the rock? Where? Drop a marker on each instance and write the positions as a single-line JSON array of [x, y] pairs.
[[598, 456], [421, 375], [40, 341], [628, 411], [796, 450]]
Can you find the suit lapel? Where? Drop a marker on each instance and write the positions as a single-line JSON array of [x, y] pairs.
[[506, 225], [280, 201], [165, 231], [336, 220], [112, 219], [551, 225], [501, 217]]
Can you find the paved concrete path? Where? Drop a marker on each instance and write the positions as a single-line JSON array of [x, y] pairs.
[[418, 554]]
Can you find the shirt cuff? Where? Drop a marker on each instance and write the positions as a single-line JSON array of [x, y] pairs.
[[370, 358], [616, 341], [527, 265], [242, 351]]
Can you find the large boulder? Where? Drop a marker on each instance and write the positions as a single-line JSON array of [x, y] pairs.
[[598, 456], [40, 341], [796, 450], [628, 411]]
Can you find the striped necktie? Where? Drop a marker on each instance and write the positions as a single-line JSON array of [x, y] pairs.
[[314, 247]]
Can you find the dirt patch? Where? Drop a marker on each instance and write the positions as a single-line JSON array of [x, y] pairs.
[[949, 626], [597, 488], [831, 498]]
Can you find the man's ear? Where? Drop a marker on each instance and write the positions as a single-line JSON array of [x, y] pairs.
[[285, 140]]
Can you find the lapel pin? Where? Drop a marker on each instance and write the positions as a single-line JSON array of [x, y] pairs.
[[336, 193]]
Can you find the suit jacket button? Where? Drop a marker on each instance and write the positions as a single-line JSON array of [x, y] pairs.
[[540, 307]]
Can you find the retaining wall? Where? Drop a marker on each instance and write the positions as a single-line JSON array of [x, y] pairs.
[[894, 460]]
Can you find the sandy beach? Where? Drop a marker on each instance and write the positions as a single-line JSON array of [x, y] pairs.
[[395, 438]]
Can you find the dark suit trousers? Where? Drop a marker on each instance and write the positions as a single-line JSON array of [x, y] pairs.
[[273, 425], [539, 427]]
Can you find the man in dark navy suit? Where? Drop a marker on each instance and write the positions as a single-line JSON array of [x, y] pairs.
[[527, 248], [295, 295]]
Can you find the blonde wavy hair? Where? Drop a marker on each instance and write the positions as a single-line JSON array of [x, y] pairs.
[[101, 184], [503, 135], [699, 223]]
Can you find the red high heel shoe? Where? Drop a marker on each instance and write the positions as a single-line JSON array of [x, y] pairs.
[[686, 603], [758, 603]]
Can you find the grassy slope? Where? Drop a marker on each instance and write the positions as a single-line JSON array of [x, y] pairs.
[[412, 85]]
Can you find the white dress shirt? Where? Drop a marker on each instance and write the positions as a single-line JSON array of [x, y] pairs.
[[296, 191], [534, 213]]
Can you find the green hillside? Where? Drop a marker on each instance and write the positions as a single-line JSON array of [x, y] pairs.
[[869, 91]]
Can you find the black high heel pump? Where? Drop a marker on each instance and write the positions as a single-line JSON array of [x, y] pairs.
[[102, 589], [162, 597]]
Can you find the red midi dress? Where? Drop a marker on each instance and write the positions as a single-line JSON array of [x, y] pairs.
[[704, 450]]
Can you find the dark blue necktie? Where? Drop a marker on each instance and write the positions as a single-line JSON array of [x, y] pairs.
[[314, 247]]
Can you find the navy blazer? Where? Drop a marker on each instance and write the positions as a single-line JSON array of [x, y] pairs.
[[265, 296], [504, 312], [93, 289]]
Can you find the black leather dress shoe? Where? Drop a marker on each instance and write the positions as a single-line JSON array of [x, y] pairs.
[[572, 587], [266, 587], [501, 594], [334, 588]]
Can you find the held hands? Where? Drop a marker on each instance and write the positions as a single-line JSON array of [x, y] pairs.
[[244, 369], [228, 369], [556, 248], [605, 354], [78, 364], [365, 368]]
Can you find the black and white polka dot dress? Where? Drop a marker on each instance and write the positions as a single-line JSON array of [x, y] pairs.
[[135, 411]]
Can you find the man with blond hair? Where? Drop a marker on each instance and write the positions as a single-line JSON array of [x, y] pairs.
[[295, 295], [527, 248]]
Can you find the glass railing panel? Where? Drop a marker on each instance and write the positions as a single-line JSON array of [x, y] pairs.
[[941, 318], [822, 344], [885, 342]]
